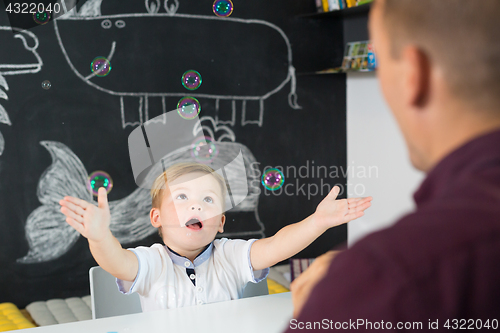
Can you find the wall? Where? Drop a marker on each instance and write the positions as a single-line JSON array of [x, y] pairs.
[[252, 98], [375, 145]]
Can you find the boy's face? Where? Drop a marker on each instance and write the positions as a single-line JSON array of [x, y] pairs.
[[191, 212]]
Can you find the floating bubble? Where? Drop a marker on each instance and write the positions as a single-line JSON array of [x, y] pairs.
[[46, 84], [191, 80], [41, 17], [223, 8], [100, 66], [273, 179], [188, 107], [204, 149], [99, 179]]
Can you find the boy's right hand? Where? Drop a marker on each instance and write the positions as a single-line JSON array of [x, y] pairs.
[[90, 221]]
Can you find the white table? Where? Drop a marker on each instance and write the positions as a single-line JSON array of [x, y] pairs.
[[268, 314]]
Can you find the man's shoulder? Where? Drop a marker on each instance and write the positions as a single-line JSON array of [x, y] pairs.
[[427, 238], [428, 258]]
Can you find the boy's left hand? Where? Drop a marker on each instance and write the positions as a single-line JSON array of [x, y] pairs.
[[332, 212]]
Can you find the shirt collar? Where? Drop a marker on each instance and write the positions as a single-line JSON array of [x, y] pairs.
[[185, 262], [467, 160]]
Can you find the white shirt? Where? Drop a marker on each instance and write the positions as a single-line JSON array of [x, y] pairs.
[[222, 272]]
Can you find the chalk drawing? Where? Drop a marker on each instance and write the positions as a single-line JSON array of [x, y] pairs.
[[153, 7], [4, 116], [16, 69], [49, 236], [91, 12], [171, 9]]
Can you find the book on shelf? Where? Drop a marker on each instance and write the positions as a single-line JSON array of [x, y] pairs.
[[333, 5], [336, 4], [363, 2], [372, 60], [354, 3], [319, 6], [350, 3], [324, 6], [359, 56]]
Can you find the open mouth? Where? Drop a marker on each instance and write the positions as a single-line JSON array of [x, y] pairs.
[[194, 224]]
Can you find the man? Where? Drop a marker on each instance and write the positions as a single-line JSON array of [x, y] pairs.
[[437, 268]]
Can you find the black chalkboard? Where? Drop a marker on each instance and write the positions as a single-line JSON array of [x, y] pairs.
[[51, 139]]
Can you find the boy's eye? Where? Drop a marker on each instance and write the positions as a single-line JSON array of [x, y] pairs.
[[181, 196], [208, 199]]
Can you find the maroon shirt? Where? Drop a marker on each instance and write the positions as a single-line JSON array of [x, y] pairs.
[[441, 262]]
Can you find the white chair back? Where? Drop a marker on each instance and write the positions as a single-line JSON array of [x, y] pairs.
[[108, 301]]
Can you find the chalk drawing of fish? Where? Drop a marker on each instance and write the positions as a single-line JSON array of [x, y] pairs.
[[48, 234], [134, 53]]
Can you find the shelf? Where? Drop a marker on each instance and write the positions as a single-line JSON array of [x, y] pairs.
[[352, 11], [330, 72]]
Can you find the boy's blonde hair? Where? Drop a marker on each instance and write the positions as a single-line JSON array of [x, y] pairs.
[[177, 170]]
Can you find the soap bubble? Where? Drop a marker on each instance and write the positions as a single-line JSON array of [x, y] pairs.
[[188, 107], [273, 179], [100, 66], [46, 84], [223, 8], [99, 179], [191, 80], [204, 149], [41, 17]]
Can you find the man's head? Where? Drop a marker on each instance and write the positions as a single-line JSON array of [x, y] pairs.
[[189, 200], [439, 69]]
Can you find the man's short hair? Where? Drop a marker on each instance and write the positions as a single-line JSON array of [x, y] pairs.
[[462, 36]]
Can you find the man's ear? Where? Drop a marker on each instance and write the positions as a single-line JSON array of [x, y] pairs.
[[417, 76], [154, 216], [222, 222]]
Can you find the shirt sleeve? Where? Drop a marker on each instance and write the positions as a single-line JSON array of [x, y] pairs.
[[237, 252], [150, 267]]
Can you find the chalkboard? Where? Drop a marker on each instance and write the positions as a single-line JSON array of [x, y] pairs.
[[53, 136]]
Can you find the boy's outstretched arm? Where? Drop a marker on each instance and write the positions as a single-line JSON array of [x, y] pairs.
[[93, 223], [293, 238]]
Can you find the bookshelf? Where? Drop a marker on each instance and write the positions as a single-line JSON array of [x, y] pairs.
[[352, 11], [355, 28]]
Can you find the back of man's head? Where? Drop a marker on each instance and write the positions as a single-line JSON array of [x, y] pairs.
[[461, 36]]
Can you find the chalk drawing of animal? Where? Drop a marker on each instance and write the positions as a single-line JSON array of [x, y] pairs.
[[48, 234], [22, 58], [137, 55]]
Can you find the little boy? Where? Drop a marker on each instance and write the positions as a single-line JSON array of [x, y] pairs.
[[193, 267]]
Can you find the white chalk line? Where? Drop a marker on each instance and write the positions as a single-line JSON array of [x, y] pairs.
[[110, 56], [292, 98]]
